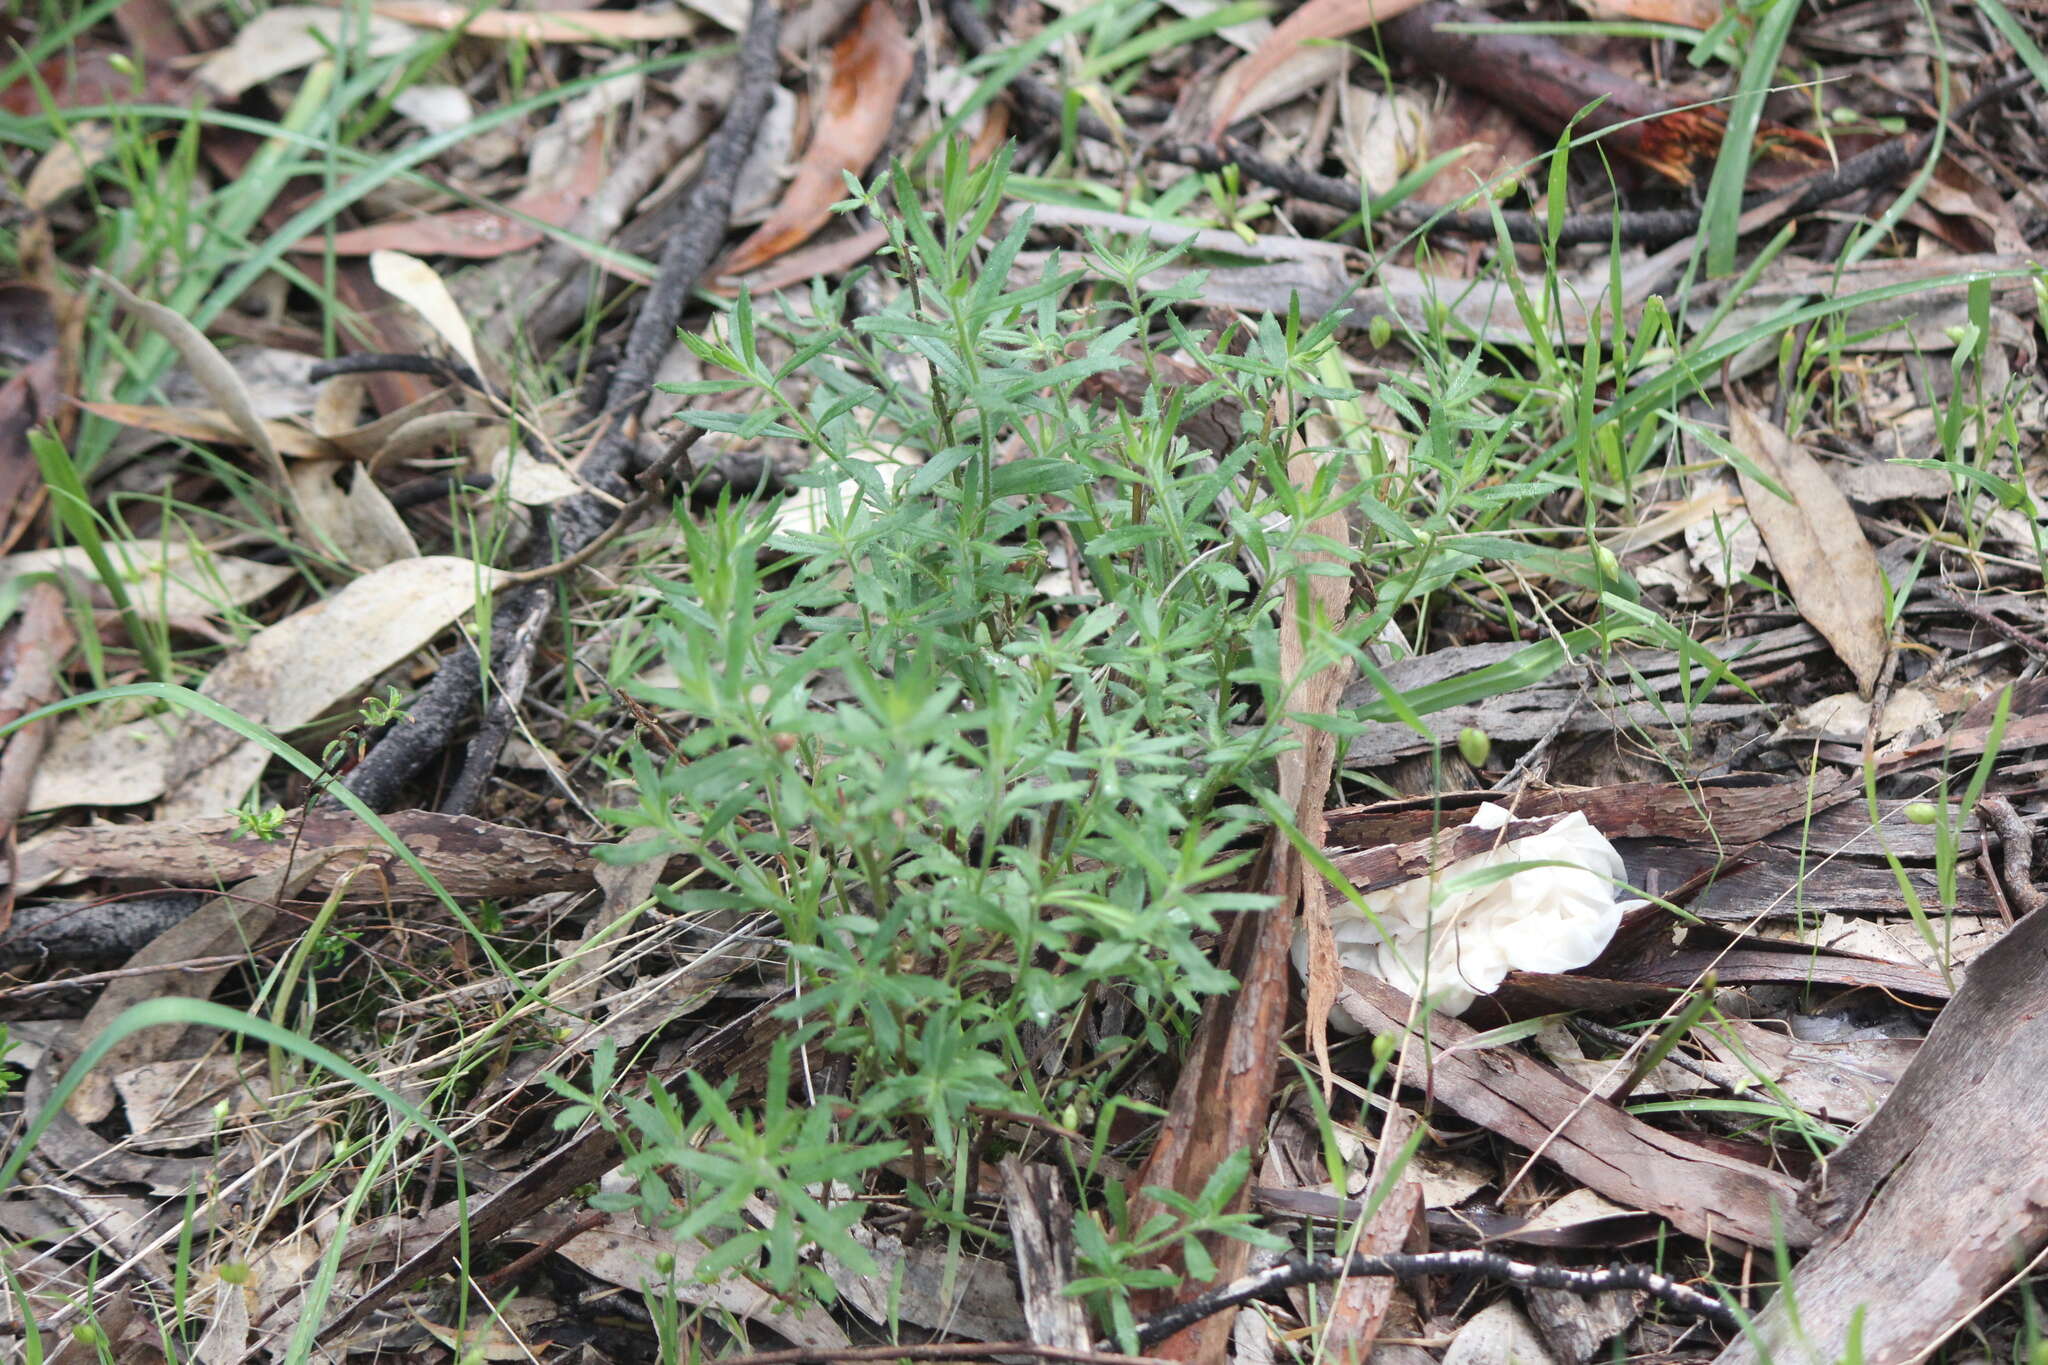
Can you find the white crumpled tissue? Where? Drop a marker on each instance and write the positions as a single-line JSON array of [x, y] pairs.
[[1460, 934]]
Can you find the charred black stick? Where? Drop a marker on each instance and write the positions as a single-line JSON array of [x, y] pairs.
[[447, 700]]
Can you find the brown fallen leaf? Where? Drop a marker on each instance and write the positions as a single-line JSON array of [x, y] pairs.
[[820, 258], [1814, 539], [473, 234], [869, 69], [214, 427], [1316, 19], [477, 233], [294, 672]]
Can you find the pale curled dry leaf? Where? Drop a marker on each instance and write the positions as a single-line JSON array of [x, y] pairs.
[[291, 36], [165, 580], [1817, 545], [417, 285], [221, 381], [219, 378], [870, 67], [583, 26], [1316, 19], [65, 166], [358, 523]]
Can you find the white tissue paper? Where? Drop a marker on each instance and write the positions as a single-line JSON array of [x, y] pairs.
[[1460, 935]]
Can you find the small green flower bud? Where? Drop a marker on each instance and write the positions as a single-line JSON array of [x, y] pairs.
[[1380, 330], [1475, 744], [1922, 813]]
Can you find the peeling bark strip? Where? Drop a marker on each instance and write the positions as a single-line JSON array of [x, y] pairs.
[[471, 857], [1297, 1270], [1042, 1226], [1703, 1193]]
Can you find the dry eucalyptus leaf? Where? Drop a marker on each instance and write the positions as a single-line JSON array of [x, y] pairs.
[[89, 763], [1316, 19], [436, 108], [169, 1104], [216, 376], [337, 417], [581, 26], [291, 36], [311, 662], [1498, 1335], [1819, 549], [359, 522], [532, 482], [212, 425], [413, 282], [224, 925], [1385, 135], [64, 167], [164, 580], [207, 365], [870, 67], [620, 1251]]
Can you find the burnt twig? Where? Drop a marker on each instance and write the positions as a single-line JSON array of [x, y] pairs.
[[580, 520]]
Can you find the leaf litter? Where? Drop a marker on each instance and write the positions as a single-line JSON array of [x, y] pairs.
[[1743, 574]]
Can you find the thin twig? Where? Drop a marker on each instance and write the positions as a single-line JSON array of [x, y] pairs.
[[935, 1350], [1978, 612], [2016, 843], [654, 482], [1298, 1270]]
